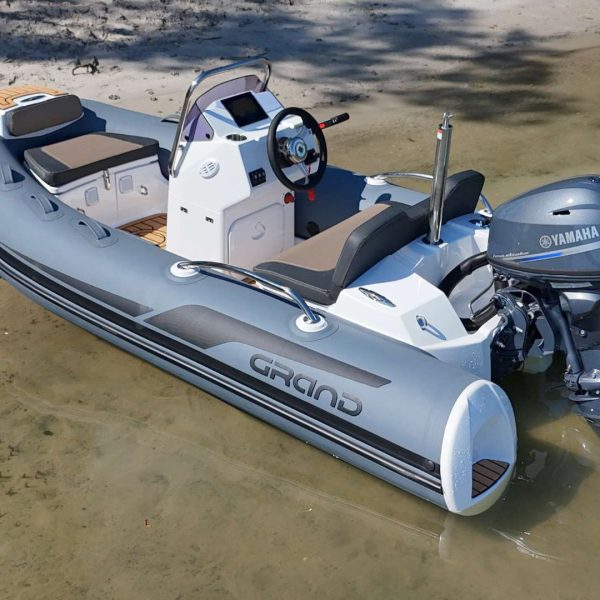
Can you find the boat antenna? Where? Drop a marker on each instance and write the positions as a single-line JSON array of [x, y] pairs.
[[440, 172]]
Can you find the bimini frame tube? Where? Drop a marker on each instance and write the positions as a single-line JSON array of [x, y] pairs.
[[440, 172]]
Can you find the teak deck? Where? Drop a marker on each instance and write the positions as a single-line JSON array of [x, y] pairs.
[[152, 229], [8, 95]]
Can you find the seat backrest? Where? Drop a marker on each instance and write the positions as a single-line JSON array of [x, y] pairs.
[[382, 234], [398, 225], [36, 117], [461, 194]]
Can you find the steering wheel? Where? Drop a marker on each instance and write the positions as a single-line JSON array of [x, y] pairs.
[[303, 150]]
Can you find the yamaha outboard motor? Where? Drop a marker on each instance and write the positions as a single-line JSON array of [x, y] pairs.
[[544, 246]]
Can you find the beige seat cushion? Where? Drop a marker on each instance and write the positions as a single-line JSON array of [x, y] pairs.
[[320, 267], [322, 252], [64, 162]]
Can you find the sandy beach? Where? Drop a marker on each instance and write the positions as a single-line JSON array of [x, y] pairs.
[[119, 481], [499, 66], [323, 52]]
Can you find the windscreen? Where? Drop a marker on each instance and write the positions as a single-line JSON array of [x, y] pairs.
[[197, 127]]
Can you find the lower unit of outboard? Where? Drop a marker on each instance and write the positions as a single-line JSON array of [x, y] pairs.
[[544, 247]]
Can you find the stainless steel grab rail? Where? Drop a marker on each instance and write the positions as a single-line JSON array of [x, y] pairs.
[[426, 177], [486, 204], [221, 268], [402, 174], [177, 144]]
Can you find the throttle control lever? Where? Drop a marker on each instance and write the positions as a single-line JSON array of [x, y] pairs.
[[334, 121]]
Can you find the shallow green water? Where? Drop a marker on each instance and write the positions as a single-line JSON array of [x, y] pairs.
[[117, 480]]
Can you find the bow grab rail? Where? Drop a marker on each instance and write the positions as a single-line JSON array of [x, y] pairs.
[[220, 268]]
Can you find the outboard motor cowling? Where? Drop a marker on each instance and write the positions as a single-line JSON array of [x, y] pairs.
[[544, 246], [551, 233]]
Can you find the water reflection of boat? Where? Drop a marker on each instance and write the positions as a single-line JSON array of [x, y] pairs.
[[558, 453]]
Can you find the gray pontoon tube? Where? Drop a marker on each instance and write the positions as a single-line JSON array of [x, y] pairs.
[[386, 407]]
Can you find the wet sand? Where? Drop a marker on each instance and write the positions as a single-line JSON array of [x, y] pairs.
[[519, 148], [119, 481]]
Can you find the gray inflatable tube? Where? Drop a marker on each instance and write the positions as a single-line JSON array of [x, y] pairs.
[[386, 407]]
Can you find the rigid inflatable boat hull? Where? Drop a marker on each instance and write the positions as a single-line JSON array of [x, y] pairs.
[[386, 407]]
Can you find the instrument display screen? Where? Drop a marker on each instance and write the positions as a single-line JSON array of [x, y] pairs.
[[244, 109]]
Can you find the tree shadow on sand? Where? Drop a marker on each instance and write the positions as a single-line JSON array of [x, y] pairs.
[[483, 78], [501, 83]]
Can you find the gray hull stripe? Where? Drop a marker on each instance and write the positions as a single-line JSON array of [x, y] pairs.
[[206, 328], [130, 307], [428, 477]]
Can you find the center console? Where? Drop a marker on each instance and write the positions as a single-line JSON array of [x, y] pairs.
[[225, 203]]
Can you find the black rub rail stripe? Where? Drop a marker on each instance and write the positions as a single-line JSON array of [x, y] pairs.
[[135, 309], [403, 454]]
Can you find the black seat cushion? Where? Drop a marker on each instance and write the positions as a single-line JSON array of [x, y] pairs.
[[321, 266], [461, 194], [64, 162]]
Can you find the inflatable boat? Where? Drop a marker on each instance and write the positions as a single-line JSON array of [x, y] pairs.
[[359, 315]]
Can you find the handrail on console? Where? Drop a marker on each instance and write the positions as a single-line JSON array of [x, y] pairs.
[[203, 76]]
